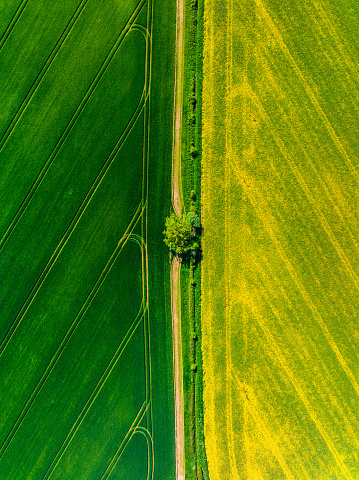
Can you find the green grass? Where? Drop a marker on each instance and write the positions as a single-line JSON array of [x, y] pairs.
[[191, 171], [75, 372]]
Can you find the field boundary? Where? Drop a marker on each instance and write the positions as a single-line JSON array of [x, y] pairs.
[[196, 462]]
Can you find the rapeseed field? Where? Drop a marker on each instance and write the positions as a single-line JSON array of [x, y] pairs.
[[280, 272]]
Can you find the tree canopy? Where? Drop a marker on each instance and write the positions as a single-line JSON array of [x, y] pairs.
[[194, 219], [179, 235]]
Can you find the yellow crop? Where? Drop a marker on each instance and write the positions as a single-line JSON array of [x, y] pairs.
[[280, 274]]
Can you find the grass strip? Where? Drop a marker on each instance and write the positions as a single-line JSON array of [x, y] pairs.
[[196, 462]]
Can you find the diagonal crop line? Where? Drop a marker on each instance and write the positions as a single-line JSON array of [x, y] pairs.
[[71, 228], [150, 457], [123, 241], [126, 439], [10, 128], [311, 94], [251, 403], [69, 126], [150, 454], [13, 22], [93, 396]]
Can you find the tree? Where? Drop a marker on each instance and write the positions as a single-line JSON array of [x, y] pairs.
[[194, 219], [179, 235]]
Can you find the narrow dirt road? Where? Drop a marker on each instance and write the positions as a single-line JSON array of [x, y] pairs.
[[177, 366], [177, 193], [178, 206]]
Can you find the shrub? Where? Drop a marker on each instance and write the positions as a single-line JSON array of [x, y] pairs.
[[193, 85], [193, 367], [193, 151], [199, 472], [191, 119], [194, 4], [192, 102], [194, 219], [193, 207]]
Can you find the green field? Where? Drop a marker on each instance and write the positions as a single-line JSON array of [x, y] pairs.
[[280, 285], [75, 167]]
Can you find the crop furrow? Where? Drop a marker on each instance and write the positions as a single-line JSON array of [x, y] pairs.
[[12, 23], [125, 441], [69, 126], [92, 398], [126, 237], [69, 230], [10, 128]]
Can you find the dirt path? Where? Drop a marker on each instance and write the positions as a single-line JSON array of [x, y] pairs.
[[177, 366], [177, 193], [178, 206]]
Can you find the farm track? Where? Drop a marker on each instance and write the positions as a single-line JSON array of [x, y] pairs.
[[69, 126], [177, 192], [178, 366], [175, 276], [12, 23]]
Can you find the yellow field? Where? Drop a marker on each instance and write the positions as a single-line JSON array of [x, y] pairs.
[[280, 275]]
